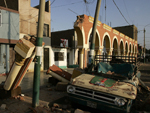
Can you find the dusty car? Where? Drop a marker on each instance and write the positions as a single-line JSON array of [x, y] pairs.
[[110, 86]]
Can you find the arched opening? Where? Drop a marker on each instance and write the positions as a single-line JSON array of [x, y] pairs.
[[121, 48], [79, 37], [96, 47], [79, 44], [136, 51], [130, 50], [106, 45], [115, 47], [126, 49], [133, 52]]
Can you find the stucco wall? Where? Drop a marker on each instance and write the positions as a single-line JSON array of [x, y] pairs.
[[10, 25], [29, 18]]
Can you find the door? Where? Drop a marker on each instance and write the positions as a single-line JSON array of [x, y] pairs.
[[46, 58]]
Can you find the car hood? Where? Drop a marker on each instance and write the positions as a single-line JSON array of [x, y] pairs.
[[106, 85]]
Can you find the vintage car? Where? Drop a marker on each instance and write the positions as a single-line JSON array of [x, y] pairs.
[[110, 86]]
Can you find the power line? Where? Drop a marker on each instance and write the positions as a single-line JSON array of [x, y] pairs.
[[52, 2], [73, 11], [67, 4], [105, 11], [88, 2], [87, 10], [120, 12], [127, 10]]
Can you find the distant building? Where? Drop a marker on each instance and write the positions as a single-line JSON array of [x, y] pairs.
[[65, 40], [107, 40], [130, 31]]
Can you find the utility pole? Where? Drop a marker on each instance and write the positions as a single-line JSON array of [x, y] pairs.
[[144, 44], [92, 46], [37, 66]]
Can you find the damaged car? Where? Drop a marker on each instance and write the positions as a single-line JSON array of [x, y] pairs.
[[110, 86]]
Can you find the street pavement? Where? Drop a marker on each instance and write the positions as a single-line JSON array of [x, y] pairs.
[[48, 95], [145, 73], [27, 82]]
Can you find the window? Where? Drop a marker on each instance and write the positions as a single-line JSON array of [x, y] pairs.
[[59, 56], [45, 30]]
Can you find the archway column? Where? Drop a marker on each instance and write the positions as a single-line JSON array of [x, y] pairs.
[[101, 50], [126, 56], [130, 57], [76, 56], [85, 57], [110, 51], [119, 52], [81, 54]]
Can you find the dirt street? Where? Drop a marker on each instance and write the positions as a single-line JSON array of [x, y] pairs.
[[49, 94]]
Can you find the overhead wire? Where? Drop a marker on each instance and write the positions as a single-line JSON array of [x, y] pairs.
[[87, 10], [105, 11], [89, 2], [120, 12], [127, 10], [67, 4], [52, 2]]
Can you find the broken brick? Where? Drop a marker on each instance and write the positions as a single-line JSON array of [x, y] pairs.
[[56, 105], [61, 86], [3, 106], [21, 98]]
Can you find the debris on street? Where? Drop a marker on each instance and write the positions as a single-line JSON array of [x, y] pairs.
[[59, 73]]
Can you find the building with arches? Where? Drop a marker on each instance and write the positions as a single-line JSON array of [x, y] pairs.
[[108, 38]]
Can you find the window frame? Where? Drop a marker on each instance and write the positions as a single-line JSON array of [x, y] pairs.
[[58, 56], [47, 25]]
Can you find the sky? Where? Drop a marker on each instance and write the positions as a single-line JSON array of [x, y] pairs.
[[137, 12]]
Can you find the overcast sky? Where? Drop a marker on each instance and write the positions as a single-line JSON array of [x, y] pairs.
[[137, 12]]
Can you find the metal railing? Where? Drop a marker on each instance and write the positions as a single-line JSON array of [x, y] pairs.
[[115, 59]]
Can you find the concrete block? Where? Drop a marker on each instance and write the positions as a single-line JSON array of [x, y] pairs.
[[27, 37], [80, 111], [61, 86], [15, 92], [24, 48], [53, 80], [56, 105], [3, 106], [11, 93], [21, 98]]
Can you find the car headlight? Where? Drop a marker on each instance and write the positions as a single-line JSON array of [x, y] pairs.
[[70, 89], [120, 101]]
